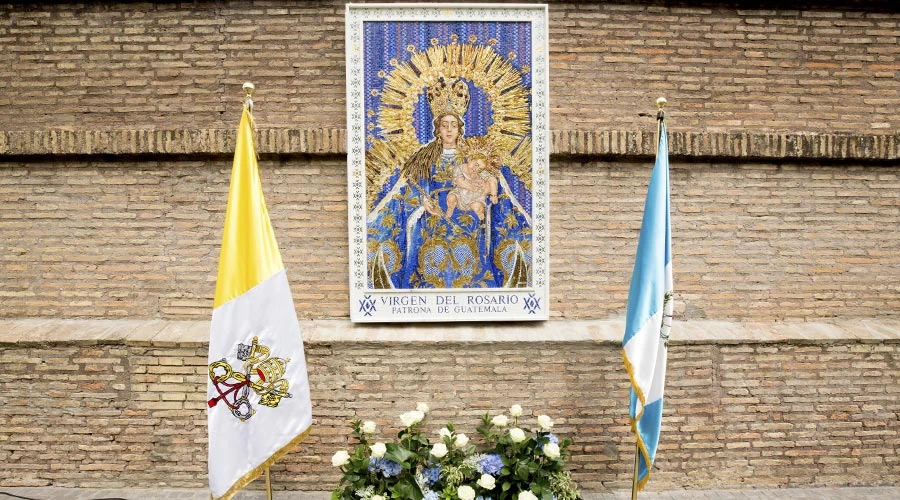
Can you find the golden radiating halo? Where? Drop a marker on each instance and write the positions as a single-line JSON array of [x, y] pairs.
[[406, 81]]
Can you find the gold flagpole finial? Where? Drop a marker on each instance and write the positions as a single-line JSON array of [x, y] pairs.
[[660, 104], [248, 105], [248, 89]]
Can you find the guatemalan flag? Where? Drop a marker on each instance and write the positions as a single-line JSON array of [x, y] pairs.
[[649, 314], [257, 390]]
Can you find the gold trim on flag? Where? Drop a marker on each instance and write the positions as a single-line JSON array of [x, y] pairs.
[[259, 469], [637, 435]]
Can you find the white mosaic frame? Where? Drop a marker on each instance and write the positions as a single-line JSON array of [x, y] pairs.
[[453, 304]]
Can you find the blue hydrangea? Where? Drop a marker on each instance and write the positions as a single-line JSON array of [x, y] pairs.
[[479, 497], [432, 475], [431, 495], [551, 438], [491, 464], [387, 467]]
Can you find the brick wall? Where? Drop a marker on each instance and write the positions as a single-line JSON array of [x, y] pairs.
[[819, 66], [114, 413], [117, 128], [97, 220], [754, 242]]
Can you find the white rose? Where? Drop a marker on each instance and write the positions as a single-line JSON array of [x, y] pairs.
[[378, 450], [551, 450], [368, 427], [515, 410], [487, 481], [422, 407], [445, 432], [525, 495], [461, 440], [545, 423], [465, 493], [340, 458], [500, 420], [411, 418], [379, 497], [517, 435], [439, 450]]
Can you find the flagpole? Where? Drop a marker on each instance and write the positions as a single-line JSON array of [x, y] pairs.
[[248, 89], [635, 472], [660, 116]]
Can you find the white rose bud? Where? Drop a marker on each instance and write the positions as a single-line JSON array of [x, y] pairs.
[[379, 497], [515, 410], [517, 435], [545, 423], [378, 450], [368, 427], [461, 440], [465, 493], [340, 458], [525, 495], [422, 407], [445, 432], [487, 481], [500, 420], [411, 418], [439, 450], [551, 450]]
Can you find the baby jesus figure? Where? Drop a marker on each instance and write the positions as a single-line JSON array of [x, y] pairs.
[[473, 183]]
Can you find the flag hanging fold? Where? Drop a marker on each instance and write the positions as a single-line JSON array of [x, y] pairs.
[[649, 314], [258, 390]]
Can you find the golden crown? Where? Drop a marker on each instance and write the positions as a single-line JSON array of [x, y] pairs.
[[448, 98], [483, 148]]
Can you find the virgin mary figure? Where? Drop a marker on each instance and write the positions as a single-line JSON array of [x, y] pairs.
[[415, 242]]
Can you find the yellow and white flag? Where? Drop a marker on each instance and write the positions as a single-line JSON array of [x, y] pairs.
[[258, 388]]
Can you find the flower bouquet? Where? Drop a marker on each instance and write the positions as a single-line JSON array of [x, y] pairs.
[[514, 463]]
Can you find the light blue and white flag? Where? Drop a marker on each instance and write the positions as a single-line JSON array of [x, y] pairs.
[[649, 314]]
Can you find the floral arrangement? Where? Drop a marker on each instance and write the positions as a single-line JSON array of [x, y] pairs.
[[514, 463]]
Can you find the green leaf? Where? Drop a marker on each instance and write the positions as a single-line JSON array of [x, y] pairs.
[[398, 454], [406, 490]]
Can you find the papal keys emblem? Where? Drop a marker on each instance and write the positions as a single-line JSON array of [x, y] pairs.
[[261, 373]]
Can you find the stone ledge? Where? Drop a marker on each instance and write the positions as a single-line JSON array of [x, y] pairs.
[[605, 143], [730, 145], [165, 142], [170, 333]]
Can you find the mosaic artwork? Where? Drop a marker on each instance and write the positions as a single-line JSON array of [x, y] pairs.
[[447, 163]]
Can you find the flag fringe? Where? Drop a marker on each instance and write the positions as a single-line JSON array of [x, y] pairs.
[[252, 475], [634, 385], [637, 435]]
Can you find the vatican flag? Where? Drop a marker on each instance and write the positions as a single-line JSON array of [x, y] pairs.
[[258, 389]]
